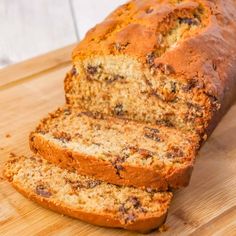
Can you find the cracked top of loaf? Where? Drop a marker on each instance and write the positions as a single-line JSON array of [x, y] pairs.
[[194, 38]]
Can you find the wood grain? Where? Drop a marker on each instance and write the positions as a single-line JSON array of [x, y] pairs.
[[206, 207], [30, 28], [25, 70]]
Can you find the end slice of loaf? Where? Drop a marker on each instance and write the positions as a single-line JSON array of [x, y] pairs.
[[153, 61], [117, 151], [85, 198]]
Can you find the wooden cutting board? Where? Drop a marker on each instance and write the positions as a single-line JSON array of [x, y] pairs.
[[29, 90]]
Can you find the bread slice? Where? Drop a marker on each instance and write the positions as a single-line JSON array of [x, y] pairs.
[[117, 151], [153, 61], [85, 198]]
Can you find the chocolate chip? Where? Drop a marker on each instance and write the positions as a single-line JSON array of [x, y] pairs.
[[132, 149], [174, 152], [118, 110], [114, 78], [62, 136], [92, 70], [189, 21], [76, 184], [190, 85], [145, 153], [117, 164], [195, 107], [135, 202], [130, 217], [122, 208], [165, 122], [152, 133], [119, 167], [43, 191]]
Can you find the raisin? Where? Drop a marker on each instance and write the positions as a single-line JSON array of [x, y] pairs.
[[118, 110], [92, 70], [42, 191]]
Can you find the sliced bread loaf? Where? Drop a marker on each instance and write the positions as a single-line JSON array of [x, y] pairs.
[[85, 198], [117, 151], [153, 61]]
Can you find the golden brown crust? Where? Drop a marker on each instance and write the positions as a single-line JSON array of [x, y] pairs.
[[207, 55], [142, 225], [129, 175]]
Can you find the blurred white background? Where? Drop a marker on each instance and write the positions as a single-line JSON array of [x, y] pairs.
[[32, 27]]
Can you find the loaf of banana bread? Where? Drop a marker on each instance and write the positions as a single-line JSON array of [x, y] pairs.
[[115, 150], [164, 62], [85, 198]]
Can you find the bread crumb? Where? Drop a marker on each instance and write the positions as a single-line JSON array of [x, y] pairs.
[[1, 148], [163, 228], [8, 136]]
